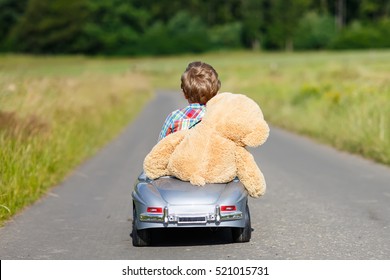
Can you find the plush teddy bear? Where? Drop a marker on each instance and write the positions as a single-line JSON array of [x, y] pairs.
[[214, 150]]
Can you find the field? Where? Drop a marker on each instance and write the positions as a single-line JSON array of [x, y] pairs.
[[57, 111]]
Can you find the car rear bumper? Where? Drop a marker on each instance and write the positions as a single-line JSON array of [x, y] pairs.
[[170, 218]]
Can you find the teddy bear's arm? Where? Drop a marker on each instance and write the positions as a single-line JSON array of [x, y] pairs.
[[249, 173], [156, 162]]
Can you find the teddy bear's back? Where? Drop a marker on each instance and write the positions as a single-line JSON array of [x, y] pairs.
[[206, 154]]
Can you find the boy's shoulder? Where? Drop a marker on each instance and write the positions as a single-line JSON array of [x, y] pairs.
[[194, 110]]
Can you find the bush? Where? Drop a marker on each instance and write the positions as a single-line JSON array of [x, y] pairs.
[[181, 34], [226, 36], [359, 36], [48, 27], [315, 31], [188, 32], [156, 40], [384, 29]]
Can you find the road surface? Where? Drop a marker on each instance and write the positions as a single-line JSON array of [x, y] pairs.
[[320, 204]]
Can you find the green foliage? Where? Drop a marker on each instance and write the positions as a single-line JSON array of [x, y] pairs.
[[112, 27], [10, 13], [180, 35], [371, 9], [284, 19], [315, 31], [227, 36], [253, 23], [156, 40], [359, 36], [305, 94], [49, 26], [188, 33], [142, 27]]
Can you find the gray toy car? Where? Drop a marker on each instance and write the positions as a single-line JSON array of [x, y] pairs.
[[168, 202]]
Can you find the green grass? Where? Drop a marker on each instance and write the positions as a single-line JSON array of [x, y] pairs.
[[55, 112]]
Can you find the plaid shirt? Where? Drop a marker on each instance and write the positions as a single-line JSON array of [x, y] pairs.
[[182, 119]]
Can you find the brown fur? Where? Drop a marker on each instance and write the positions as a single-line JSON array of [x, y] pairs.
[[214, 150]]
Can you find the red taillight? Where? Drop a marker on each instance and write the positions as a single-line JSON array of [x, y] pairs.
[[228, 208], [157, 210]]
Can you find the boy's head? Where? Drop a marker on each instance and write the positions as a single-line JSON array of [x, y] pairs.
[[200, 82]]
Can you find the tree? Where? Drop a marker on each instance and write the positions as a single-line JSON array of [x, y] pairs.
[[49, 26], [112, 27], [340, 14], [315, 31], [284, 21], [10, 13], [372, 10], [179, 35], [253, 22], [127, 27]]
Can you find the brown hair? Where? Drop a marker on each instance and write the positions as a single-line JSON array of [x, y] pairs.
[[200, 82]]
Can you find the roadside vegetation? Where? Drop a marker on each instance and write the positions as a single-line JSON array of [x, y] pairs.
[[342, 99], [54, 113]]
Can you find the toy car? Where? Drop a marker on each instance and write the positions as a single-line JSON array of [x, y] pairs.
[[168, 202]]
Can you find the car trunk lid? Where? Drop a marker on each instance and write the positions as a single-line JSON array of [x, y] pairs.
[[177, 192]]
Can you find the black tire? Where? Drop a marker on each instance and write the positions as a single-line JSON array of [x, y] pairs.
[[141, 238], [241, 235]]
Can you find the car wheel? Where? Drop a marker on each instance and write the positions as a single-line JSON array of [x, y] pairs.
[[244, 234], [141, 237]]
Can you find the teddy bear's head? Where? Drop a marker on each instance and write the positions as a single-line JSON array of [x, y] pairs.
[[238, 118]]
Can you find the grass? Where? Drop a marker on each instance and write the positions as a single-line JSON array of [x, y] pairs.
[[55, 112]]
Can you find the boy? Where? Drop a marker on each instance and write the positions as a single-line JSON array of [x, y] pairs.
[[199, 84]]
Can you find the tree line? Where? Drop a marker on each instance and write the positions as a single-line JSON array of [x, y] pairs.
[[151, 27]]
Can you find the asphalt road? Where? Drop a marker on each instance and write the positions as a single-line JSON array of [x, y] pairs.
[[320, 204]]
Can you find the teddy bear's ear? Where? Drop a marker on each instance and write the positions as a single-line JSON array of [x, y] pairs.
[[258, 136]]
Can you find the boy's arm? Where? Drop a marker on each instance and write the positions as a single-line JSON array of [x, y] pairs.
[[167, 126], [156, 162]]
